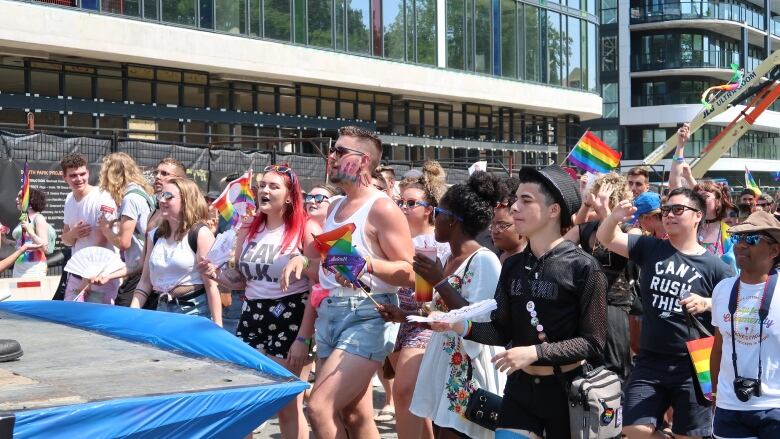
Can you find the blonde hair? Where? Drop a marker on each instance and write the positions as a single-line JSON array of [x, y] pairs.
[[193, 208], [619, 184], [119, 170], [433, 183]]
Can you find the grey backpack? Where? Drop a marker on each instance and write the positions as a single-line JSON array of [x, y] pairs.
[[594, 405]]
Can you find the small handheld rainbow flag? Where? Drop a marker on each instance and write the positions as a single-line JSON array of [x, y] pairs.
[[593, 155], [750, 183], [235, 200], [24, 200], [700, 350]]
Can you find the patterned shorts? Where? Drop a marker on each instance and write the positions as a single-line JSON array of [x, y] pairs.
[[410, 335], [271, 325]]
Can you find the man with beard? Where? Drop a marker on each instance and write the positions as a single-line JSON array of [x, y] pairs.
[[352, 337]]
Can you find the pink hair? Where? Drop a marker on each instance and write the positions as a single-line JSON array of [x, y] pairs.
[[294, 216]]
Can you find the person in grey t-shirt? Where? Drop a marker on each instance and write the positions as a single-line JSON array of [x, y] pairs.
[[121, 177]]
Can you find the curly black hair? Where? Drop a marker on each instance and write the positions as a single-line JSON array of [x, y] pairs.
[[474, 201]]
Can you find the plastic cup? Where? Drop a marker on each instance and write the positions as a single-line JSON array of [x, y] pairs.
[[423, 291]]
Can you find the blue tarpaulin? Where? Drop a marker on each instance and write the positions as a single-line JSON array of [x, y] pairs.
[[229, 412]]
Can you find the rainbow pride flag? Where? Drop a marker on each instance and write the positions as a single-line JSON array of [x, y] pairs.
[[25, 197], [235, 200], [593, 155], [750, 183], [700, 351]]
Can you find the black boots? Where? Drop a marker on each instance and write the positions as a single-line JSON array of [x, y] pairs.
[[10, 350]]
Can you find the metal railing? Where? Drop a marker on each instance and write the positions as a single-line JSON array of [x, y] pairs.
[[684, 59], [740, 12]]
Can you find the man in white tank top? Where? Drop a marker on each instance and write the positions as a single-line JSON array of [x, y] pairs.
[[352, 338]]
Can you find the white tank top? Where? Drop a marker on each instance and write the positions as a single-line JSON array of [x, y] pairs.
[[359, 218], [262, 262], [172, 264]]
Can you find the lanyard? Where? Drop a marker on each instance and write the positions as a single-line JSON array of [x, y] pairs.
[[763, 311]]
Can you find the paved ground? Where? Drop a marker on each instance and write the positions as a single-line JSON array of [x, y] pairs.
[[386, 430]]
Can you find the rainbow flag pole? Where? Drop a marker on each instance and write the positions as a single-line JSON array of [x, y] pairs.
[[24, 200], [593, 155]]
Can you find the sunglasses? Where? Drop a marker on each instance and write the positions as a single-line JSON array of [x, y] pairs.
[[439, 211], [165, 196], [318, 198], [508, 202], [411, 204], [499, 227], [751, 238], [676, 209], [342, 151], [282, 169]]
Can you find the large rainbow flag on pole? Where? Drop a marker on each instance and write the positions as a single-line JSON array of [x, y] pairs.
[[593, 155], [24, 200], [750, 183], [235, 200]]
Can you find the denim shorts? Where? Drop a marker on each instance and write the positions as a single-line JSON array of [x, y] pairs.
[[353, 324], [739, 424], [196, 306]]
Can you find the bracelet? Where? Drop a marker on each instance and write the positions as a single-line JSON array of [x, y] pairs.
[[306, 261], [466, 328], [145, 293], [304, 340], [680, 159]]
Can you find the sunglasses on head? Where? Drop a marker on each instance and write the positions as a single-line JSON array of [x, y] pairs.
[[508, 202], [342, 151], [410, 204], [282, 169], [439, 211], [676, 209], [318, 198], [751, 238], [165, 196]]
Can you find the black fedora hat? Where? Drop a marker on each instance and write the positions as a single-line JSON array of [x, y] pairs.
[[565, 190]]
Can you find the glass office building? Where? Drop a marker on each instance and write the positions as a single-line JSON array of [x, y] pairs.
[[436, 78], [657, 57]]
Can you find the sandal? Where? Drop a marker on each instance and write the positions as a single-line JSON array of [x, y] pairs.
[[385, 416]]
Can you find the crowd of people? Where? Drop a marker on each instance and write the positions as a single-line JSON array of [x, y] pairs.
[[600, 271]]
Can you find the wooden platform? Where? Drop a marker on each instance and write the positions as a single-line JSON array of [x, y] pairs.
[[63, 365]]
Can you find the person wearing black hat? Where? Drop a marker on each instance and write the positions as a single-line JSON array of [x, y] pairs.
[[746, 350], [551, 309], [677, 276]]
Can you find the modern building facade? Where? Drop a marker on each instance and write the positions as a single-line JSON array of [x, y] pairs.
[[658, 56], [436, 78]]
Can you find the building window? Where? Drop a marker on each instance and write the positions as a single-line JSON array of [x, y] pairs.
[[320, 16], [609, 96], [394, 28], [574, 77], [509, 38], [179, 12], [455, 34], [359, 26], [230, 16], [608, 11], [277, 19], [533, 51], [609, 55], [554, 48]]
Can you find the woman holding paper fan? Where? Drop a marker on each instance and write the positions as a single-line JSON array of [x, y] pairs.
[[469, 275], [419, 196], [171, 254], [276, 319]]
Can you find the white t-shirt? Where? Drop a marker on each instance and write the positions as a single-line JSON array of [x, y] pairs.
[[262, 262], [747, 332], [94, 204]]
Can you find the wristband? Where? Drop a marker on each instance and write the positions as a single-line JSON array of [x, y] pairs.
[[304, 340], [466, 328], [680, 159], [306, 261]]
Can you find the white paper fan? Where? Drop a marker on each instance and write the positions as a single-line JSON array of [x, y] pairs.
[[223, 245], [90, 262]]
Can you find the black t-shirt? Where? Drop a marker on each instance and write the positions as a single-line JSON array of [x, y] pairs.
[[664, 275]]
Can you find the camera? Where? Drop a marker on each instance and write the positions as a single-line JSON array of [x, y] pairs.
[[746, 388]]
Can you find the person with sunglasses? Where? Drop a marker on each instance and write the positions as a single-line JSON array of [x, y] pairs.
[[468, 276], [166, 169], [418, 197], [746, 350], [502, 229], [764, 202], [352, 337], [276, 318], [677, 277], [318, 200]]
